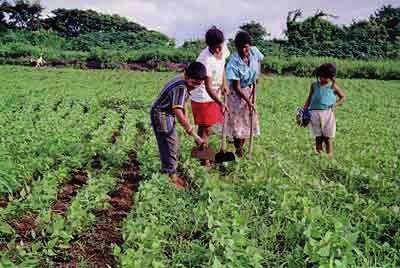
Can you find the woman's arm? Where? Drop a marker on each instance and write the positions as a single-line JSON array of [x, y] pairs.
[[211, 92], [225, 87], [340, 93], [239, 90], [308, 101]]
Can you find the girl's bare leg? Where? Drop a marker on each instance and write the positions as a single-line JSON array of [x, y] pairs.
[[329, 147], [319, 144]]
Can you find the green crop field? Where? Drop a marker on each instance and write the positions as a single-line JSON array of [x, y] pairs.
[[80, 183]]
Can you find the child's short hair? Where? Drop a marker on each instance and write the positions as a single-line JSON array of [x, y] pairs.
[[214, 37], [326, 70], [196, 70], [242, 38]]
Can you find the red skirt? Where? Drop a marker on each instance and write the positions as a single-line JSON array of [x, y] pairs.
[[207, 113]]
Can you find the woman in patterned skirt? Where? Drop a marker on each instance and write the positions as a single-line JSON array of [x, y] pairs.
[[241, 72]]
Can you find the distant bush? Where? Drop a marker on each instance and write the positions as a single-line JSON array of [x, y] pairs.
[[298, 66], [305, 66]]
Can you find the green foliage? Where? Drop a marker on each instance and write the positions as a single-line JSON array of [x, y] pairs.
[[372, 38], [305, 66], [257, 32], [119, 41], [74, 22], [110, 41], [22, 14], [389, 17], [194, 45], [47, 39], [286, 208]]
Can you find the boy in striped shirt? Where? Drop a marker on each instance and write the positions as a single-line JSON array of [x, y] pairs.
[[170, 105]]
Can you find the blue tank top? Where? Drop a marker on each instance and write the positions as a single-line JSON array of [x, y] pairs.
[[323, 98]]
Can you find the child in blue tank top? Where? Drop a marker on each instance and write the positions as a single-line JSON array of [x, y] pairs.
[[325, 95]]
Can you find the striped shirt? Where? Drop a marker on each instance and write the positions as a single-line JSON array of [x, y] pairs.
[[172, 96]]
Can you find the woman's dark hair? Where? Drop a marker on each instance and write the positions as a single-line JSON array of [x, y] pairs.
[[214, 37], [242, 38], [196, 70], [326, 70]]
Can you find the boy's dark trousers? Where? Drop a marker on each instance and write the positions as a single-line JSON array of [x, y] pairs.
[[168, 145]]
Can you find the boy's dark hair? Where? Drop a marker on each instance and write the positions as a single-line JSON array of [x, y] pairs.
[[214, 37], [196, 70], [326, 70], [242, 38]]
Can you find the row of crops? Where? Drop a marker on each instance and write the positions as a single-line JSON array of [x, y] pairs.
[[76, 148]]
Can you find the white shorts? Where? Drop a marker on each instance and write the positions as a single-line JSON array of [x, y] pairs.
[[323, 123]]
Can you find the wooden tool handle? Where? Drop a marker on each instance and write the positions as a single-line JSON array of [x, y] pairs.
[[223, 137], [251, 123]]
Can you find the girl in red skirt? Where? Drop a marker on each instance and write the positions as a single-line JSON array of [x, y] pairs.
[[207, 108]]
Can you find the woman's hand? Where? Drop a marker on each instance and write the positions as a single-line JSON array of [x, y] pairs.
[[250, 105], [224, 108], [225, 91], [189, 130]]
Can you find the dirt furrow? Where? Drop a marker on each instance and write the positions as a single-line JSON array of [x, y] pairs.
[[96, 246], [69, 191]]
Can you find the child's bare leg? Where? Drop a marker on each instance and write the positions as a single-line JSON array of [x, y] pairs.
[[204, 133], [318, 144], [329, 146]]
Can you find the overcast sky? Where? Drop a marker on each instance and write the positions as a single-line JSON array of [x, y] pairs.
[[189, 19]]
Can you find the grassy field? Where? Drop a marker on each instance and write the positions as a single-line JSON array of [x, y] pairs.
[[76, 148]]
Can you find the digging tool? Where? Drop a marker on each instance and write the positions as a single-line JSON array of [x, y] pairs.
[[223, 156], [253, 99]]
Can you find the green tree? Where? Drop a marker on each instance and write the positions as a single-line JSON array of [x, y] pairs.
[[23, 14], [389, 17], [194, 45], [74, 22], [257, 31], [3, 22], [313, 30]]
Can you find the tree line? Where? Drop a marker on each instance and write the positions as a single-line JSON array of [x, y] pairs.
[[377, 36]]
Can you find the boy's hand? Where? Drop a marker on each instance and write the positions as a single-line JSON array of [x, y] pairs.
[[198, 140], [189, 130]]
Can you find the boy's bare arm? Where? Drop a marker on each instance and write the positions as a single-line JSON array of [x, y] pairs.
[[183, 120], [307, 104], [340, 93]]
